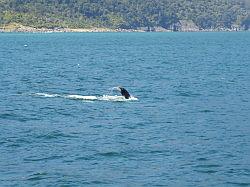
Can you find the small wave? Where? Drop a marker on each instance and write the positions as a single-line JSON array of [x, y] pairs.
[[208, 166], [110, 154], [37, 176], [239, 183], [88, 98], [54, 135], [35, 159]]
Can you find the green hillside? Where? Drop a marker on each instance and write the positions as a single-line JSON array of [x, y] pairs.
[[125, 14]]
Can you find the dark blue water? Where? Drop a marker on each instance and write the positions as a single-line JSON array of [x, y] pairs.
[[189, 127]]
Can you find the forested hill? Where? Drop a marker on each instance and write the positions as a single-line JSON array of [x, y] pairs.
[[126, 14]]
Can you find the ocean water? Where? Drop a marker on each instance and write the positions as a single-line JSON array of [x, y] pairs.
[[188, 124]]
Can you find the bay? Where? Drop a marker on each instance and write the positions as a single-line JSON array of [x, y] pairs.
[[188, 127]]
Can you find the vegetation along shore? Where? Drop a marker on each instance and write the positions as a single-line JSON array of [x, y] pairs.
[[124, 15]]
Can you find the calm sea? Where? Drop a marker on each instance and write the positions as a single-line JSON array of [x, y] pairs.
[[190, 124]]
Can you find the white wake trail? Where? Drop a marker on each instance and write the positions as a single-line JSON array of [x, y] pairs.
[[46, 95], [88, 98]]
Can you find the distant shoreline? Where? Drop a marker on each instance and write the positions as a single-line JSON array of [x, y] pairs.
[[107, 31], [110, 31], [65, 30], [27, 29], [16, 28]]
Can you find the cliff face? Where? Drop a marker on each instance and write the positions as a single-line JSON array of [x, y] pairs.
[[181, 26], [185, 26]]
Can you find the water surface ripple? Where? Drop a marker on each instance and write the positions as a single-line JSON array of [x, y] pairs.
[[189, 126]]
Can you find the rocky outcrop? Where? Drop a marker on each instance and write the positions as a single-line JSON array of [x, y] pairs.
[[184, 26]]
